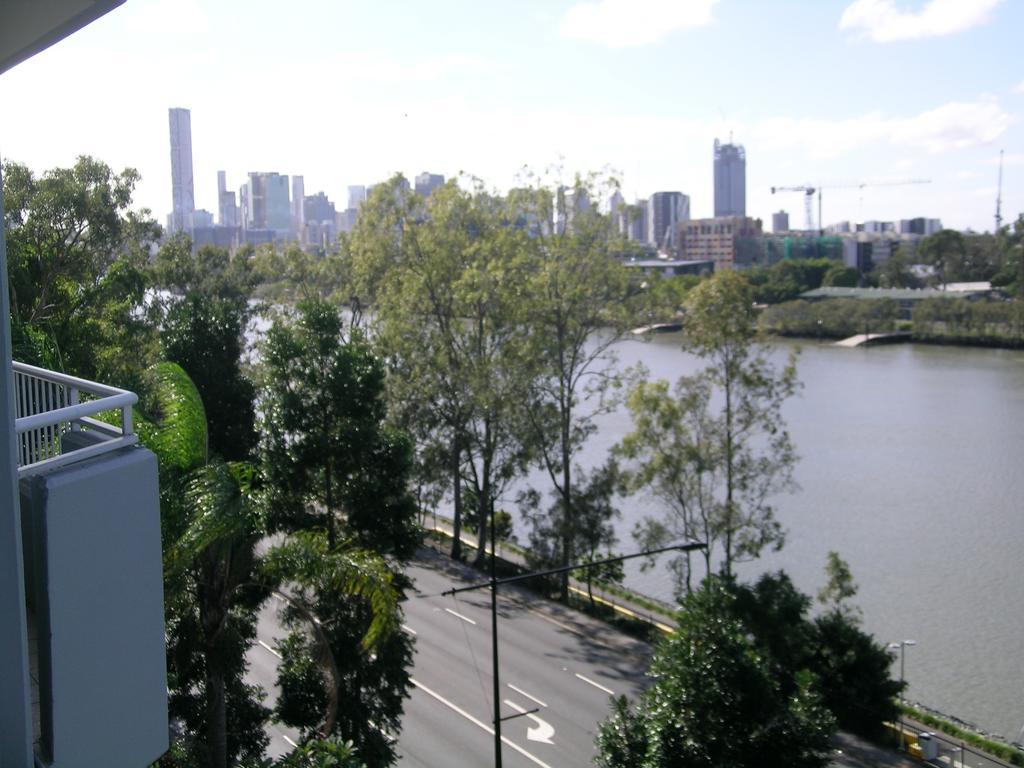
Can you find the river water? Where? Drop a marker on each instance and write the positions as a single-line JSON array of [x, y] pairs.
[[912, 468]]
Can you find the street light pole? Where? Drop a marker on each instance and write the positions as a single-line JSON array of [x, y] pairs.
[[494, 582], [902, 644], [494, 646]]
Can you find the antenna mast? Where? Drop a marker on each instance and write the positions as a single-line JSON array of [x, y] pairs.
[[999, 196]]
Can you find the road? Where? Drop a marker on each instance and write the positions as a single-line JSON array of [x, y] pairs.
[[566, 664], [557, 660]]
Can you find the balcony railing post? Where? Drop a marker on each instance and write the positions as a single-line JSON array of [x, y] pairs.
[[74, 401]]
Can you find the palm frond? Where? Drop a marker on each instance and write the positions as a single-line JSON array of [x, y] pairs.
[[306, 559]]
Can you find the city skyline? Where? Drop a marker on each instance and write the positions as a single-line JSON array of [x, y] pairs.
[[838, 92]]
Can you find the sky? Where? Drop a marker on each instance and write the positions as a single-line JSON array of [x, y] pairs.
[[831, 93]]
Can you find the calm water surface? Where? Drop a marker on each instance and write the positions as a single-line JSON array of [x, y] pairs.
[[912, 467]]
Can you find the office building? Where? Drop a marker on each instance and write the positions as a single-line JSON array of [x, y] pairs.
[[266, 204], [715, 239], [637, 224], [356, 196], [279, 211], [318, 207], [730, 180], [227, 209], [919, 226], [298, 205], [780, 222], [183, 196], [665, 211], [427, 183]]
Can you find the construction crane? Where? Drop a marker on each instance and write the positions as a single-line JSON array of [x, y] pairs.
[[809, 192], [808, 196]]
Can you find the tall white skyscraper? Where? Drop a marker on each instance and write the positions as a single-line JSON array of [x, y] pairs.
[[297, 200], [183, 196]]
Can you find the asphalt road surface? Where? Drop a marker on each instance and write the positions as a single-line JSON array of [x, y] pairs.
[[565, 664]]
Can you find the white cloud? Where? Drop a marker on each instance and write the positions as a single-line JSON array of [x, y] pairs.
[[883, 22], [624, 23], [952, 126], [1019, 88]]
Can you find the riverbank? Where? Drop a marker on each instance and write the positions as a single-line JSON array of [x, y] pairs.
[[952, 322]]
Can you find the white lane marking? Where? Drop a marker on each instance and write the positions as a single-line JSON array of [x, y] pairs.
[[270, 649], [283, 736], [544, 730], [409, 629], [460, 616], [609, 691], [478, 724], [521, 692]]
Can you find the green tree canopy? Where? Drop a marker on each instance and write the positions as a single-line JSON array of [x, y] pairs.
[[76, 258], [716, 451], [447, 317], [715, 701], [328, 458], [576, 304]]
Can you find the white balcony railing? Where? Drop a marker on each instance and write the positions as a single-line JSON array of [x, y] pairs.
[[51, 406]]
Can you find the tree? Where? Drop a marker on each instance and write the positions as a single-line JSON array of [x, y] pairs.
[[76, 256], [215, 580], [841, 277], [203, 308], [331, 463], [895, 272], [204, 336], [328, 458], [945, 251], [594, 533], [345, 663], [575, 306], [322, 753], [714, 701], [209, 528], [852, 670], [447, 317], [716, 468], [839, 586]]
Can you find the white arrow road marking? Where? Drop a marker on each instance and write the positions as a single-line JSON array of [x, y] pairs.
[[544, 730], [460, 616], [478, 724], [609, 691]]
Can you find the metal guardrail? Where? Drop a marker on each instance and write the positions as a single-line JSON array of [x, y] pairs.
[[50, 405]]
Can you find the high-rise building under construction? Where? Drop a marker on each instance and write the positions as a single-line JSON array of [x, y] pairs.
[[730, 179]]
